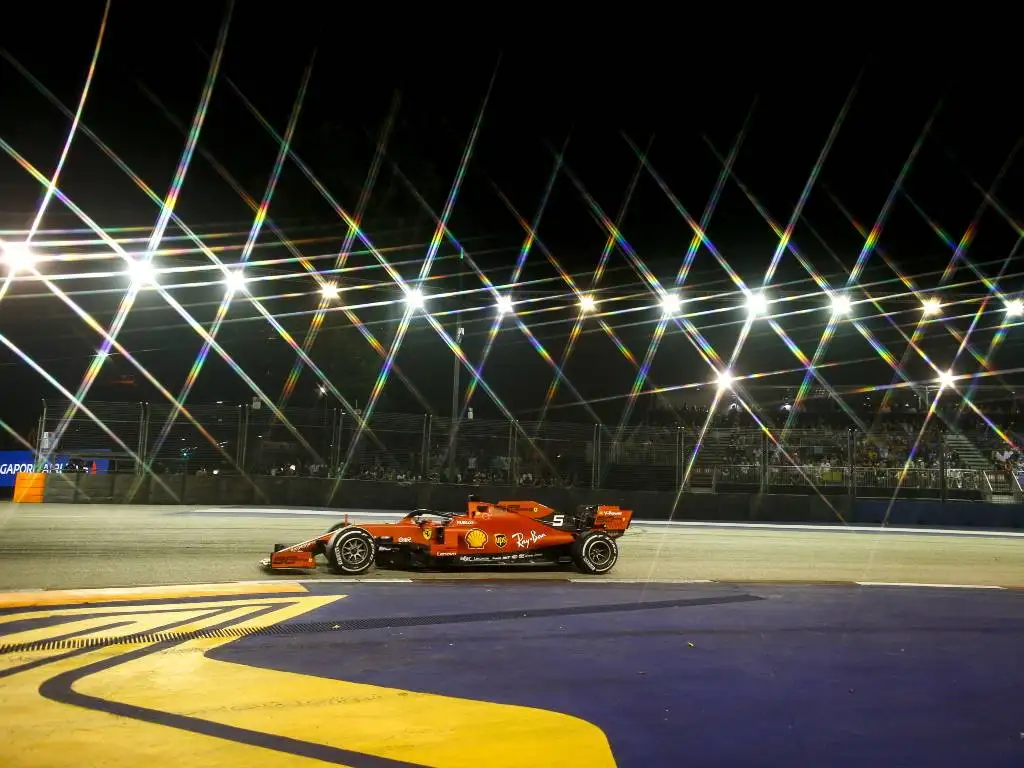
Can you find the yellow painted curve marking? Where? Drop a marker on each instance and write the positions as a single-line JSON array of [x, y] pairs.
[[420, 728], [86, 596]]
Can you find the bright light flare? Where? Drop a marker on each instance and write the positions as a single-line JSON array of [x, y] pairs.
[[840, 304], [932, 307], [724, 380], [142, 272], [504, 305], [587, 303], [946, 379], [414, 298], [235, 281], [757, 304], [1015, 308], [18, 257], [330, 291], [671, 303]]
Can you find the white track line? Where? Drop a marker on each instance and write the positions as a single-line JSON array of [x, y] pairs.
[[358, 580], [599, 580], [931, 586], [808, 527]]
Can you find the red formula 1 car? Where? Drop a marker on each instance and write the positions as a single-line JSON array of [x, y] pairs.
[[506, 533]]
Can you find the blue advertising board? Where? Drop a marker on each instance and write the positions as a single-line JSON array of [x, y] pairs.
[[13, 462]]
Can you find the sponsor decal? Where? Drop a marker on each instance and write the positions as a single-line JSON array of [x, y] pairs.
[[446, 554], [13, 462], [426, 534], [520, 557], [404, 539], [464, 522], [501, 540], [525, 541], [476, 539]]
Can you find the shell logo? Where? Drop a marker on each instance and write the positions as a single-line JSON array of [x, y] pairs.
[[476, 539]]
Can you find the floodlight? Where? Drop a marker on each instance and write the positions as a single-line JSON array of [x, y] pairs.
[[141, 272], [504, 305], [725, 380], [671, 303], [235, 281], [1015, 308], [322, 389], [414, 298], [329, 291], [757, 304], [587, 303], [840, 304], [932, 307], [946, 379], [18, 257]]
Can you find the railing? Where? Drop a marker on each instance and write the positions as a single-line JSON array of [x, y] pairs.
[[231, 439]]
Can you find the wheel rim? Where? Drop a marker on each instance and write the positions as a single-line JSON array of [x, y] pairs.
[[600, 553], [354, 552]]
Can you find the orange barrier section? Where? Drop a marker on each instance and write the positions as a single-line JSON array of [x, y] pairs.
[[29, 487]]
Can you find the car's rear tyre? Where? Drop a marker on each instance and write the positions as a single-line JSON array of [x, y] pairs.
[[352, 551], [595, 552]]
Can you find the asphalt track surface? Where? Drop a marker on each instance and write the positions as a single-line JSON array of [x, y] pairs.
[[49, 546], [735, 667]]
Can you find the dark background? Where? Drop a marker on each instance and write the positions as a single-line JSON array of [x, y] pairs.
[[896, 105]]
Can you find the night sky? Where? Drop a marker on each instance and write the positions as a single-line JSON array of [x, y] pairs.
[[589, 139]]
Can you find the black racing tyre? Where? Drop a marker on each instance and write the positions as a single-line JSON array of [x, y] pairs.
[[352, 551], [595, 552]]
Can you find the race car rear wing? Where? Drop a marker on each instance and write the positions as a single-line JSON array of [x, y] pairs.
[[608, 517]]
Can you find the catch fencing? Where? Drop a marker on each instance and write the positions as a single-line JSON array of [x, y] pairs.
[[225, 439]]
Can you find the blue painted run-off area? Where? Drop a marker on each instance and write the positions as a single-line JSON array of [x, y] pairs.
[[701, 675]]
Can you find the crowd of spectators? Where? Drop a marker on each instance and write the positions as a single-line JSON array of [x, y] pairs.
[[818, 448]]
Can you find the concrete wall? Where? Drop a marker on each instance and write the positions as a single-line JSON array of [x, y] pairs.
[[722, 507]]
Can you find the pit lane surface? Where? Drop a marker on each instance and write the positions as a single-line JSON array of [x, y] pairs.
[[50, 546]]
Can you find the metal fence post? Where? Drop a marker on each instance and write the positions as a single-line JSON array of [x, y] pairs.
[[425, 446], [943, 485], [142, 461], [851, 462], [242, 449], [680, 457], [338, 440], [596, 454], [40, 439], [765, 468], [514, 452], [509, 460]]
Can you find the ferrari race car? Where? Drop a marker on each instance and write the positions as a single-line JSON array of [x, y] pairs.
[[506, 533]]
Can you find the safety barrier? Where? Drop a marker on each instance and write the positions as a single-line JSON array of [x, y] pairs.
[[29, 488], [305, 492]]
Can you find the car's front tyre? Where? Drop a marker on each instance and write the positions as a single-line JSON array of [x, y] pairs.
[[353, 551]]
